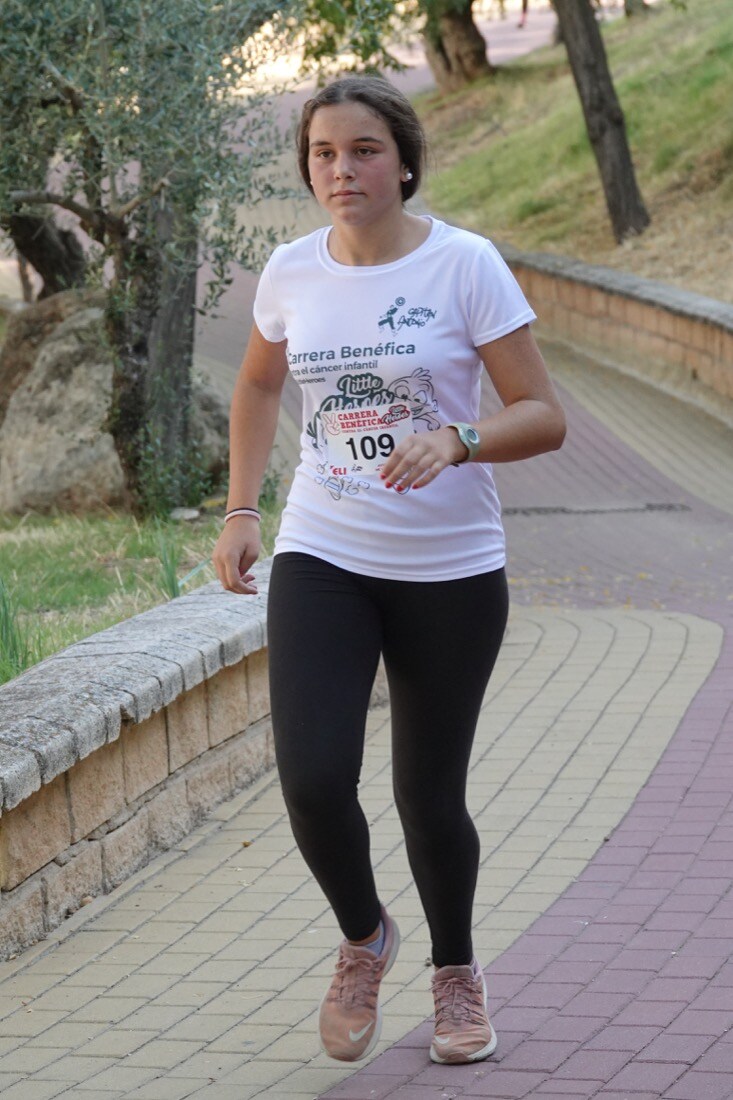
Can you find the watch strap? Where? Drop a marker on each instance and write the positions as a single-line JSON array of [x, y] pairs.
[[468, 437]]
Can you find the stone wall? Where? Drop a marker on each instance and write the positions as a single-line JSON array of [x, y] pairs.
[[114, 749], [674, 339]]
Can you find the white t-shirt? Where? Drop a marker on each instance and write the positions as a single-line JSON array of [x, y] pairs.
[[380, 352]]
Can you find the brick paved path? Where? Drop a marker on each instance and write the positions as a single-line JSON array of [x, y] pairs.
[[607, 959]]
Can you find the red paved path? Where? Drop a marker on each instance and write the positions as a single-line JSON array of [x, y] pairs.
[[624, 987]]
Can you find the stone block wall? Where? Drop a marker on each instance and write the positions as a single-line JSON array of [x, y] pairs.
[[114, 749], [677, 340]]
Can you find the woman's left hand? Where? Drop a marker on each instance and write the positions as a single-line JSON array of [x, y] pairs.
[[417, 461]]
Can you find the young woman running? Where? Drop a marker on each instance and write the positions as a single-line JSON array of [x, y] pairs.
[[391, 541]]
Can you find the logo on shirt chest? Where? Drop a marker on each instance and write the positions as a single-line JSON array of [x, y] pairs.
[[399, 315]]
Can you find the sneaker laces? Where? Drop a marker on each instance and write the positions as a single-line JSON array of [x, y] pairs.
[[356, 981], [458, 999]]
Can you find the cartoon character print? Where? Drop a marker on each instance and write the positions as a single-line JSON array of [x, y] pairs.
[[417, 391], [413, 393], [339, 485]]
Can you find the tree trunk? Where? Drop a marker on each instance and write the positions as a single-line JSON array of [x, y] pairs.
[[151, 328], [170, 346], [603, 117], [454, 47], [26, 282], [55, 253]]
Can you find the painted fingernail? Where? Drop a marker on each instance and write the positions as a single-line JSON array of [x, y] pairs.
[[388, 484]]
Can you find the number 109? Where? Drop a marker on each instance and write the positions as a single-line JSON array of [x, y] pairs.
[[371, 447]]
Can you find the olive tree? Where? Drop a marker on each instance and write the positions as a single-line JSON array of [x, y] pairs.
[[136, 138], [147, 125]]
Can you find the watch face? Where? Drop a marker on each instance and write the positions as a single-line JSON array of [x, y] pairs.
[[472, 435]]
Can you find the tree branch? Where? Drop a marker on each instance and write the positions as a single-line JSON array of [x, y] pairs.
[[91, 163], [67, 89], [113, 219], [32, 198], [123, 211]]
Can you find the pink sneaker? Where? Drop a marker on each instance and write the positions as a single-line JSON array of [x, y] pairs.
[[350, 1019], [463, 1031]]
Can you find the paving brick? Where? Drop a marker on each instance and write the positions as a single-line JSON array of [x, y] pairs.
[[718, 1058], [621, 980], [376, 1086], [626, 1038], [538, 1055], [582, 1089], [504, 1084], [117, 1078], [695, 1085], [648, 1075], [521, 1019], [711, 1022], [578, 1029], [41, 1090], [76, 1068], [592, 1065], [170, 1088], [545, 995], [606, 1005], [716, 998], [676, 1048], [607, 1094]]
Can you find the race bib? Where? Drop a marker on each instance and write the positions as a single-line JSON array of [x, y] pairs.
[[360, 440]]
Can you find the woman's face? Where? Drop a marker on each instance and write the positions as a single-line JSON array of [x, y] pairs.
[[354, 164]]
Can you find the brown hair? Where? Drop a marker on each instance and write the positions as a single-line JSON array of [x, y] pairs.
[[385, 101]]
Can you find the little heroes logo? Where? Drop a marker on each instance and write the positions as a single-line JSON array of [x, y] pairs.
[[396, 318]]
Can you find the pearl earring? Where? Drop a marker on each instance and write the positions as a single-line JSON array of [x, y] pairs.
[[408, 176]]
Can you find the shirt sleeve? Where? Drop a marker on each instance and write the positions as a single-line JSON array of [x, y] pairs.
[[496, 303], [267, 313]]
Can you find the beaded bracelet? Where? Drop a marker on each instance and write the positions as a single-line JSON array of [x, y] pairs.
[[243, 512]]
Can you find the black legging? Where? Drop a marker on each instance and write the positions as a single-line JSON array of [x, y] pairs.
[[326, 630]]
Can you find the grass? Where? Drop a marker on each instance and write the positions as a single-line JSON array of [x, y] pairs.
[[512, 158], [19, 647], [64, 577]]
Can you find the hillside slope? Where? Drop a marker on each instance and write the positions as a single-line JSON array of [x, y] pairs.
[[512, 159]]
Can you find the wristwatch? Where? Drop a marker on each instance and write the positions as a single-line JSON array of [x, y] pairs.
[[470, 439]]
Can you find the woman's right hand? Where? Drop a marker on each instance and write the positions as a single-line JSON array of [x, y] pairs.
[[236, 550]]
